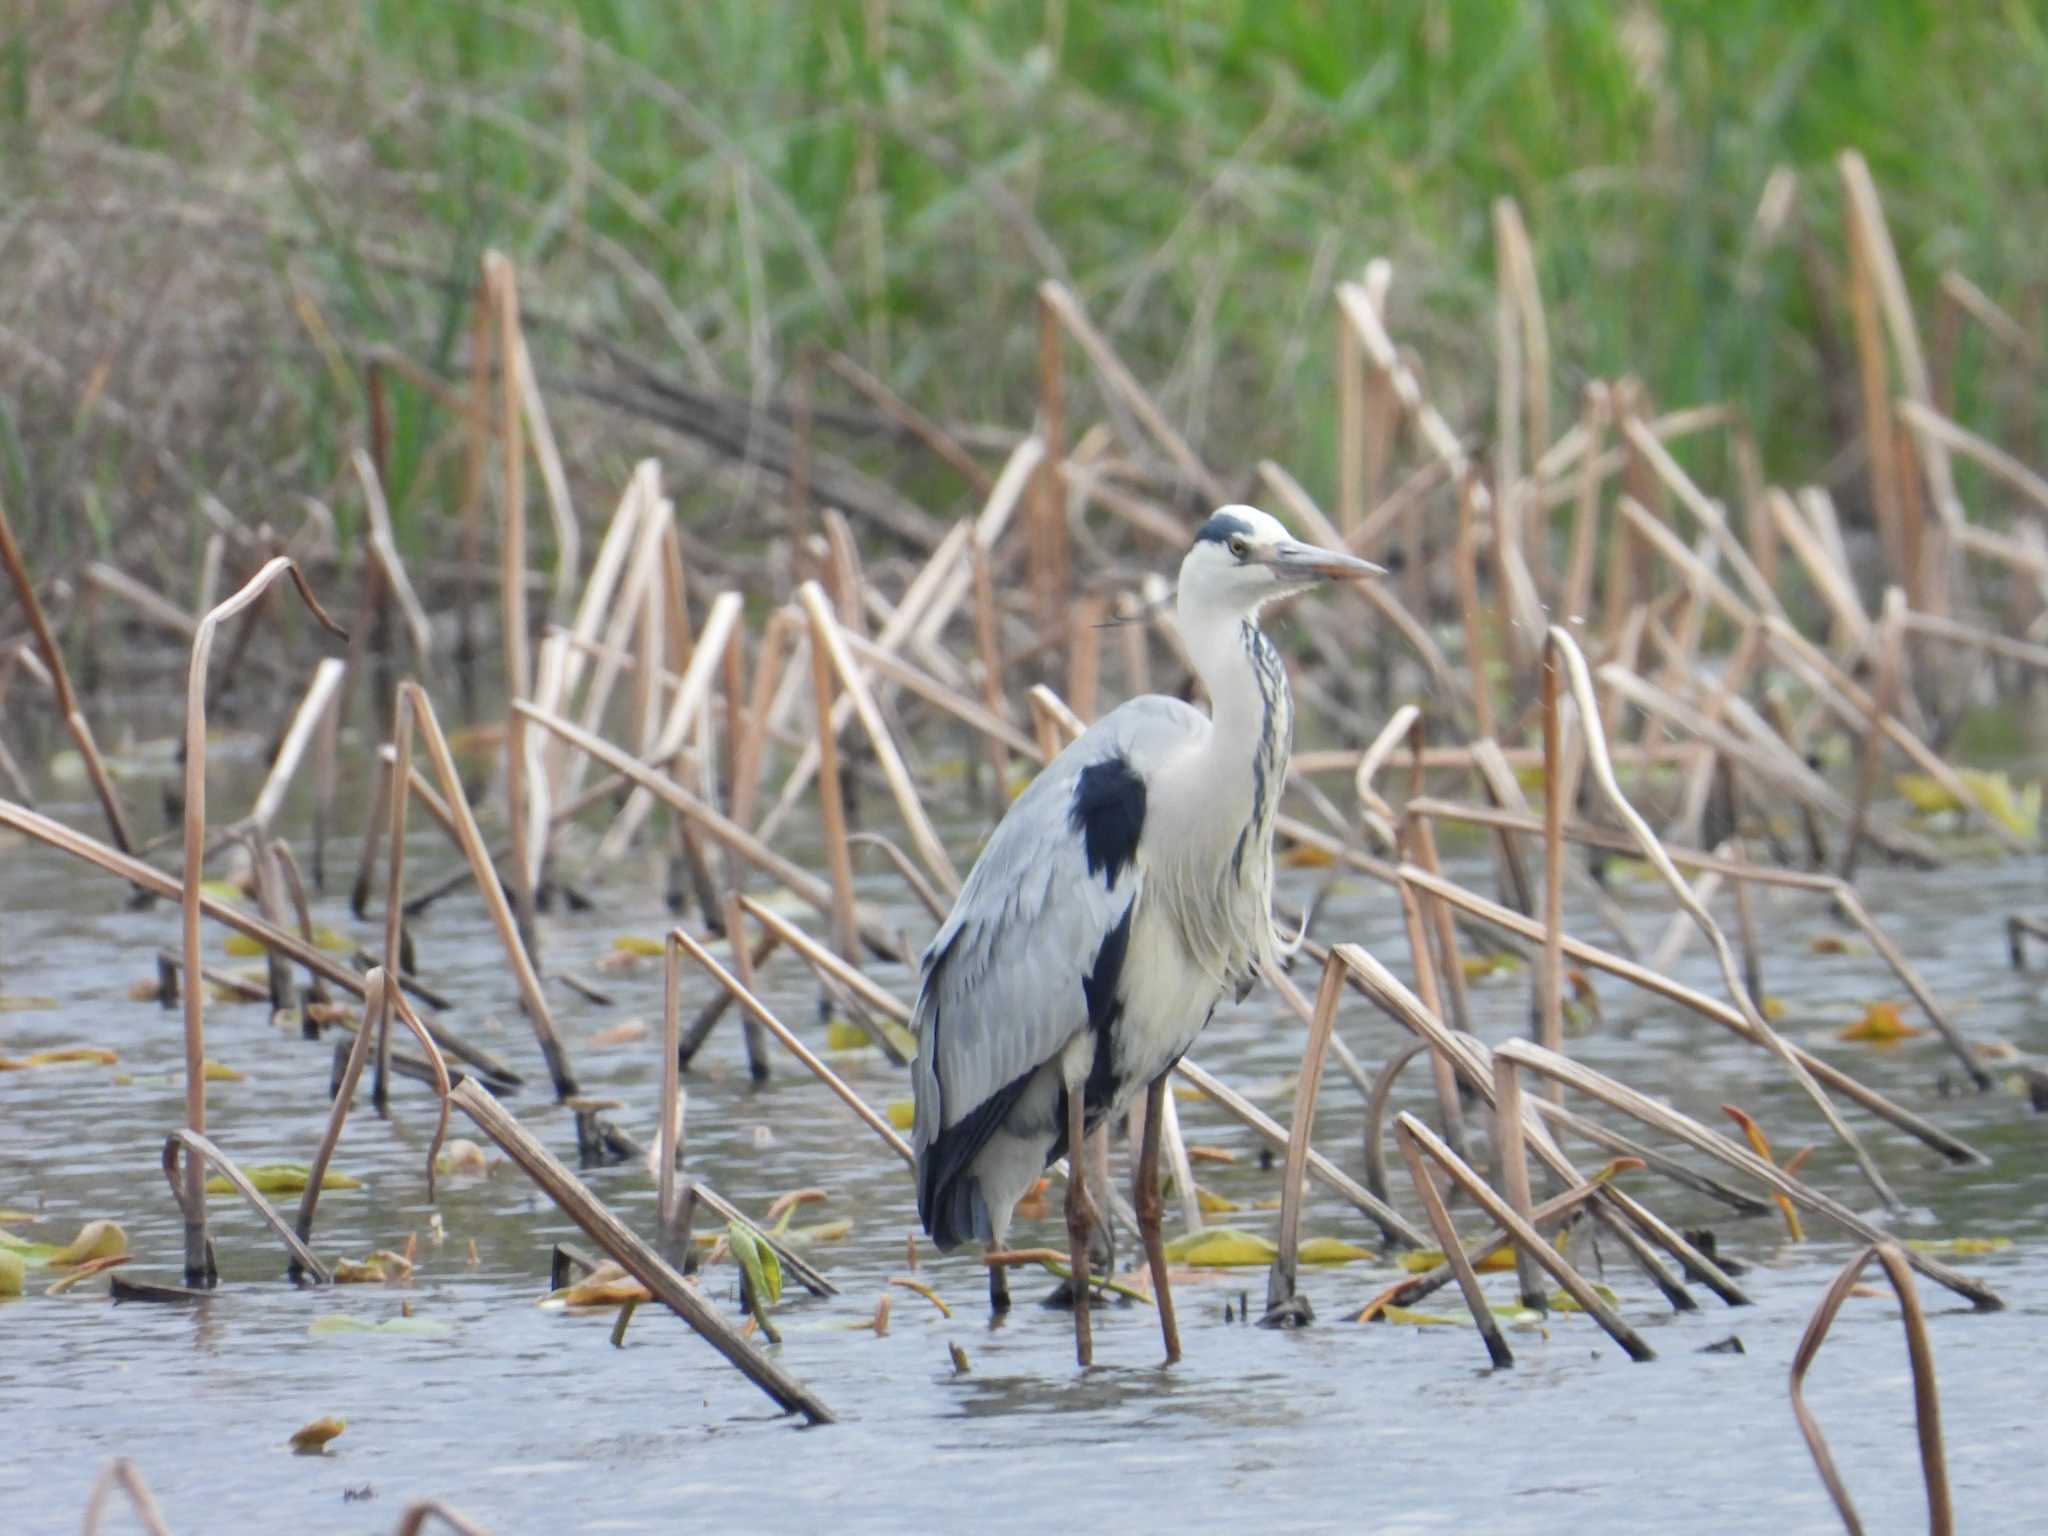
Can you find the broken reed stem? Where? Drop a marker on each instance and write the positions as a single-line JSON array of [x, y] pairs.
[[313, 708], [1527, 1240], [638, 1260], [1926, 1399], [417, 710], [198, 1259], [760, 1011], [1447, 1241], [1280, 1280], [1621, 1097], [668, 1136], [380, 998], [1550, 977]]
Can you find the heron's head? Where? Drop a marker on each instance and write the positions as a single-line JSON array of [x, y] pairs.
[[1243, 558]]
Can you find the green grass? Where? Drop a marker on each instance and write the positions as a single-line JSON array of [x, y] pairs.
[[1200, 172]]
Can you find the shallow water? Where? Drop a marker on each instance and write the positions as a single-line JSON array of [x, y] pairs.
[[528, 1420]]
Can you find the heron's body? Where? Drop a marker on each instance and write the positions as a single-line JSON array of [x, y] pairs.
[[1124, 894]]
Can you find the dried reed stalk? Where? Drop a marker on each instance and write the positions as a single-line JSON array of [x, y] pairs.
[[803, 1053], [1618, 1096], [1281, 1288], [414, 710], [198, 1261]]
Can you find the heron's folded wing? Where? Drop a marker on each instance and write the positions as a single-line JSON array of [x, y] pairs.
[[1006, 980]]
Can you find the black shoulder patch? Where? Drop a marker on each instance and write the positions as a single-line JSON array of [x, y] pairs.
[[1221, 528], [1109, 812]]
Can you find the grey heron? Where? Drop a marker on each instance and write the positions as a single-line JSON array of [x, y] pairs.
[[1122, 895]]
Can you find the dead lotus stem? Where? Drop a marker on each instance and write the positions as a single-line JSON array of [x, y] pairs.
[[761, 1012], [1562, 644], [197, 1260], [827, 964], [1280, 1280], [60, 683], [380, 998], [1618, 1096], [1447, 1238], [198, 1152], [417, 710], [668, 1135], [414, 1517], [1583, 953], [1630, 1221], [123, 1475], [640, 1261], [501, 284]]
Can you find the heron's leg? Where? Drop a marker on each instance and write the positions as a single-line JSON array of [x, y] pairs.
[[1102, 1245], [1081, 1216], [1146, 1198], [998, 1285]]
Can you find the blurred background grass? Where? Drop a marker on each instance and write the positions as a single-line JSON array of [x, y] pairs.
[[212, 213]]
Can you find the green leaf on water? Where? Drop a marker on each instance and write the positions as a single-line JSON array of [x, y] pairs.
[[763, 1268], [1959, 1247], [1416, 1319], [13, 1272], [1222, 1248]]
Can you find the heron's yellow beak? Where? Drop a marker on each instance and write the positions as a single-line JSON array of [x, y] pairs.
[[1295, 561]]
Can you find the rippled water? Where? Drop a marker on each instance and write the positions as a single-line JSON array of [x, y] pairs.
[[529, 1420]]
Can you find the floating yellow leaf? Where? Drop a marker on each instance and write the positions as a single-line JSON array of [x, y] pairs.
[[1880, 1025], [902, 1113], [63, 1056], [1774, 1008], [1307, 856], [96, 1240], [1836, 944], [625, 1032], [1213, 1204], [1420, 1261], [1331, 1250], [637, 944], [240, 944], [312, 1440], [9, 1214], [1211, 1155], [381, 1265], [21, 1004], [1959, 1247], [608, 1285], [843, 1035], [282, 1179], [13, 1272], [221, 890], [461, 1156], [1221, 1248], [221, 1072]]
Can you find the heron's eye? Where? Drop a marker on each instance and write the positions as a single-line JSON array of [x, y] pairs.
[[1238, 546]]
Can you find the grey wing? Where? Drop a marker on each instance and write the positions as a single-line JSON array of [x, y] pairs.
[[1007, 981]]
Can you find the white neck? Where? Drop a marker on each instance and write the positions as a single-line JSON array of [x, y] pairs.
[[1237, 708]]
